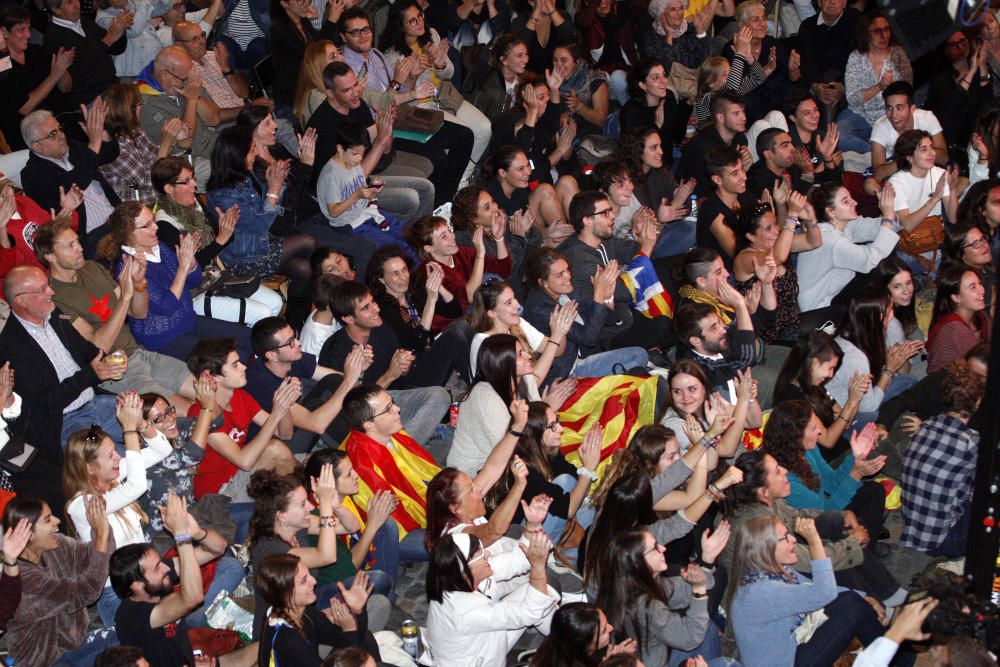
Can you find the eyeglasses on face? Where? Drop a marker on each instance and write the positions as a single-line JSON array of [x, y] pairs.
[[606, 212], [41, 290], [357, 32], [169, 413], [389, 407], [880, 31], [977, 244], [182, 79], [788, 537], [288, 343], [51, 135], [552, 426]]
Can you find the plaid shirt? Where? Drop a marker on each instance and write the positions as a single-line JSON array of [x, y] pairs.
[[215, 83], [130, 171], [937, 480]]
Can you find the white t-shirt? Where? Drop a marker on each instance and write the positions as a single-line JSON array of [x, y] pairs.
[[314, 334], [884, 134], [913, 192]]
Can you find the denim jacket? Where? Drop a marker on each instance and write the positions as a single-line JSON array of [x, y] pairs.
[[251, 240]]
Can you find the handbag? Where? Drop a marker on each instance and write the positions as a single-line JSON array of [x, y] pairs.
[[924, 238], [571, 538], [212, 642], [683, 81], [449, 98], [417, 119], [16, 454]]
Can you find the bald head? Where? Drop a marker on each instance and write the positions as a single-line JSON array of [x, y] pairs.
[[26, 289], [171, 68], [189, 36]]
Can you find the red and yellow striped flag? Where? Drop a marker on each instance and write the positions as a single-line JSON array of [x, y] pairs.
[[405, 470], [619, 404]]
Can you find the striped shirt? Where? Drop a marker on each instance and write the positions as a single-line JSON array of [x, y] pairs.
[[62, 361]]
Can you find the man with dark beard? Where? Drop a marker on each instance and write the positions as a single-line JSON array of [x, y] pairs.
[[151, 615]]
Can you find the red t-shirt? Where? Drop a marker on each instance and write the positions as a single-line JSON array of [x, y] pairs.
[[215, 470]]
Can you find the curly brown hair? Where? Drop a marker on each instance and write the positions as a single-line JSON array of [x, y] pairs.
[[465, 207], [962, 389], [121, 222], [783, 439]]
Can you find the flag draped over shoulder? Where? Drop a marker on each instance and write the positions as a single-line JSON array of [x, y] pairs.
[[648, 295], [619, 404], [406, 469]]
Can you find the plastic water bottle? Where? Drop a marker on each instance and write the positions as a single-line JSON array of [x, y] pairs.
[[411, 638], [693, 207]]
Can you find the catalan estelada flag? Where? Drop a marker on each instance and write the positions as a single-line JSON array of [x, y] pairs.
[[406, 469], [648, 295], [619, 404]]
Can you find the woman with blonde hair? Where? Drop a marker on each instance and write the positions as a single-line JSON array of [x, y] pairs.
[[309, 92], [92, 466], [129, 173]]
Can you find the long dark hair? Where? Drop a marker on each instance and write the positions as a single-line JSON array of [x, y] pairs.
[[864, 325], [229, 157], [270, 492], [630, 151], [531, 450], [626, 583], [754, 478], [376, 271], [953, 246], [638, 75], [394, 34], [887, 269], [497, 366], [949, 284], [817, 345], [442, 493], [783, 439], [642, 455], [448, 570], [972, 208], [572, 638], [986, 127], [275, 580], [629, 504]]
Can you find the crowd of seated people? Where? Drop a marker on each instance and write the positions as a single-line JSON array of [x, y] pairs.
[[345, 287]]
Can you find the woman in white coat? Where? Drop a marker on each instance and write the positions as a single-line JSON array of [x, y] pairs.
[[464, 627]]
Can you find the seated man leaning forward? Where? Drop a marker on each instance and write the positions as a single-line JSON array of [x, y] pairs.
[[229, 458], [387, 459]]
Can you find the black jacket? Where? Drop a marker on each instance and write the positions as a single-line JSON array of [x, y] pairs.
[[41, 178], [93, 70], [43, 395]]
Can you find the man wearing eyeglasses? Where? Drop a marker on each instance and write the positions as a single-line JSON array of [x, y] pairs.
[[171, 88], [97, 307], [279, 355], [450, 148], [593, 247], [57, 164], [56, 372]]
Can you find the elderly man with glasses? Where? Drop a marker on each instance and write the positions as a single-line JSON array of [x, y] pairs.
[[56, 372], [171, 87], [58, 163]]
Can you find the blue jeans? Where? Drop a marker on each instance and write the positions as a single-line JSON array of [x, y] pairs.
[[676, 238], [915, 267], [421, 410], [107, 606], [100, 411], [241, 513], [899, 384], [554, 525], [392, 235], [604, 363], [228, 575], [710, 649], [93, 645], [953, 545], [391, 552], [855, 132], [382, 585]]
